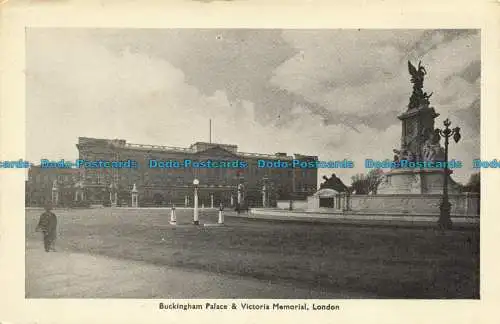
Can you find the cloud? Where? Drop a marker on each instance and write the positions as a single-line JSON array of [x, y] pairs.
[[104, 94], [134, 96], [364, 74], [335, 94]]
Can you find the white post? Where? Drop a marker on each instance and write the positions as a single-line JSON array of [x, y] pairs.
[[173, 218], [185, 201], [76, 195], [221, 215], [232, 200], [195, 211], [134, 197], [211, 200]]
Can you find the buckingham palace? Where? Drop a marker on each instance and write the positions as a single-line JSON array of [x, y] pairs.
[[156, 184]]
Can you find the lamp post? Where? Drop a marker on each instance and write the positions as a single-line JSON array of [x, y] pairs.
[[445, 207], [113, 195], [239, 179], [196, 182]]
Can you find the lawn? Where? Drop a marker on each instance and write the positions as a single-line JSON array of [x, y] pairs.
[[383, 261]]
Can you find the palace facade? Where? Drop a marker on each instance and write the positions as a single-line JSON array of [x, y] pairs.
[[42, 182], [165, 186]]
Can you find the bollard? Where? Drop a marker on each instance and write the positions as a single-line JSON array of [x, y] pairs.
[[221, 215], [173, 218]]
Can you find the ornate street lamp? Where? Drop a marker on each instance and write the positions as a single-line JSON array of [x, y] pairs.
[[113, 194], [445, 207], [196, 183]]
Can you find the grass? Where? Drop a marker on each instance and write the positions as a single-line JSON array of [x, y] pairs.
[[382, 261]]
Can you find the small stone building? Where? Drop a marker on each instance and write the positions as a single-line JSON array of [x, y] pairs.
[[327, 199]]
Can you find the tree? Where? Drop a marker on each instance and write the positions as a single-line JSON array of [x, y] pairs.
[[474, 184], [359, 184], [364, 184], [374, 178]]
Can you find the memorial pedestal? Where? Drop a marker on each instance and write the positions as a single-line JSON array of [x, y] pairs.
[[416, 181]]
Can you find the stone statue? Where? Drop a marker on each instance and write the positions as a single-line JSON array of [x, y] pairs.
[[416, 184], [397, 155], [411, 157], [402, 154], [418, 97], [427, 133], [432, 150], [334, 183]]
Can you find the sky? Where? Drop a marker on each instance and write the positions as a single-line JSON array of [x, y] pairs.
[[335, 93]]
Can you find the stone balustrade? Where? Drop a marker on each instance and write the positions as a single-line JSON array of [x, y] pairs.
[[465, 204]]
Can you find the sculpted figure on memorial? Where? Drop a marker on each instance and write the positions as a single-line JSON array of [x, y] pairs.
[[402, 154], [432, 150], [416, 184], [418, 97], [411, 157]]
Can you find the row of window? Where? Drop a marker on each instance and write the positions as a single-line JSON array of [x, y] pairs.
[[97, 177], [46, 178]]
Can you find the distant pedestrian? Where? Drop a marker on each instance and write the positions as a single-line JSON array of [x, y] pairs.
[[48, 226]]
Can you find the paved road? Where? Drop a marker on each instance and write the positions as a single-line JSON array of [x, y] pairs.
[[74, 275]]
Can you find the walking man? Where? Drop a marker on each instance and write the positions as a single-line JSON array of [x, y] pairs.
[[48, 226]]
